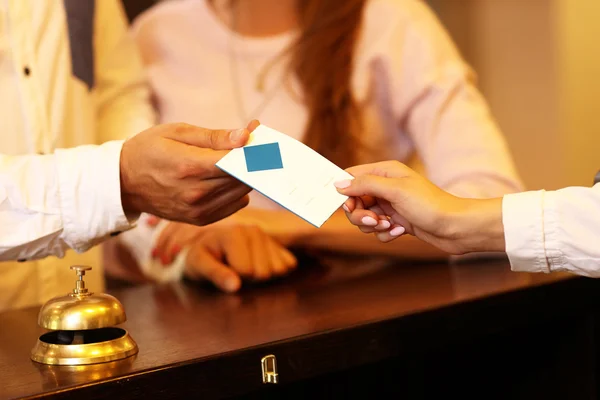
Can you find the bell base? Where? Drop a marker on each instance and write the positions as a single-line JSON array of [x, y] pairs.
[[83, 347]]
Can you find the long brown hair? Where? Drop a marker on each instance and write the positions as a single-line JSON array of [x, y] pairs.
[[323, 60]]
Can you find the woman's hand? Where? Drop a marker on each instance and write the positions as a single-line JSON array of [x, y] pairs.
[[173, 238], [226, 255], [416, 206], [282, 226]]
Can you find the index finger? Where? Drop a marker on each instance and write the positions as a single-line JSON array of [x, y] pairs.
[[202, 264]]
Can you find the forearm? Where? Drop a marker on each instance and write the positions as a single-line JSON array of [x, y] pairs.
[[338, 234], [477, 226], [356, 242]]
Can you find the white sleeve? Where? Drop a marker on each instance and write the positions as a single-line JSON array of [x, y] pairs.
[[139, 242], [549, 231], [69, 199]]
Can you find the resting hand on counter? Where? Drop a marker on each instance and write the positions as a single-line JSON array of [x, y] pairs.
[[239, 248], [227, 255], [541, 231]]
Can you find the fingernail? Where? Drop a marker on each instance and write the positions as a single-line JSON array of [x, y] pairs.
[[384, 224], [397, 231], [164, 260], [342, 184], [154, 253], [175, 250], [345, 207], [369, 221], [236, 135]]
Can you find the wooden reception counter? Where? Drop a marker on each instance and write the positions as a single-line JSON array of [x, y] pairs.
[[405, 331]]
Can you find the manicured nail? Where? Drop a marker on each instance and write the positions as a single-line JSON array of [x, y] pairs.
[[176, 249], [154, 253], [369, 221], [165, 260], [236, 135], [384, 224], [345, 207], [397, 231], [342, 184]]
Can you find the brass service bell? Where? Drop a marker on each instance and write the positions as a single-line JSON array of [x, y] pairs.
[[82, 328]]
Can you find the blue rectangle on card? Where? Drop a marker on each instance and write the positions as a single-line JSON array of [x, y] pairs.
[[263, 157]]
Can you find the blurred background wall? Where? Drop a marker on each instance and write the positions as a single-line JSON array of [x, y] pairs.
[[538, 63]]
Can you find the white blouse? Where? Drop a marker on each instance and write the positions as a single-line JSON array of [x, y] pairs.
[[417, 94]]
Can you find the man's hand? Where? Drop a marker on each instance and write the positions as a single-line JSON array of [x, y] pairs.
[[169, 171]]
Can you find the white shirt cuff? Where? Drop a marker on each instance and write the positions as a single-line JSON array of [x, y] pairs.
[[90, 194], [555, 232], [140, 242], [523, 219]]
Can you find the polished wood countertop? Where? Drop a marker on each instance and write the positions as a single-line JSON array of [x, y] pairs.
[[190, 335]]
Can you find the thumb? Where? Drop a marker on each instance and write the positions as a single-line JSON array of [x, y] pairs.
[[253, 125], [368, 185], [216, 139]]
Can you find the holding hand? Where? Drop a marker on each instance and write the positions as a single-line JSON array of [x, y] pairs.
[[390, 190], [169, 171]]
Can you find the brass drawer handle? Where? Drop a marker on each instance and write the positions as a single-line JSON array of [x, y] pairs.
[[269, 369]]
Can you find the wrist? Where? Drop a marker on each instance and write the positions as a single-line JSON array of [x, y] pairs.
[[477, 225], [128, 198]]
